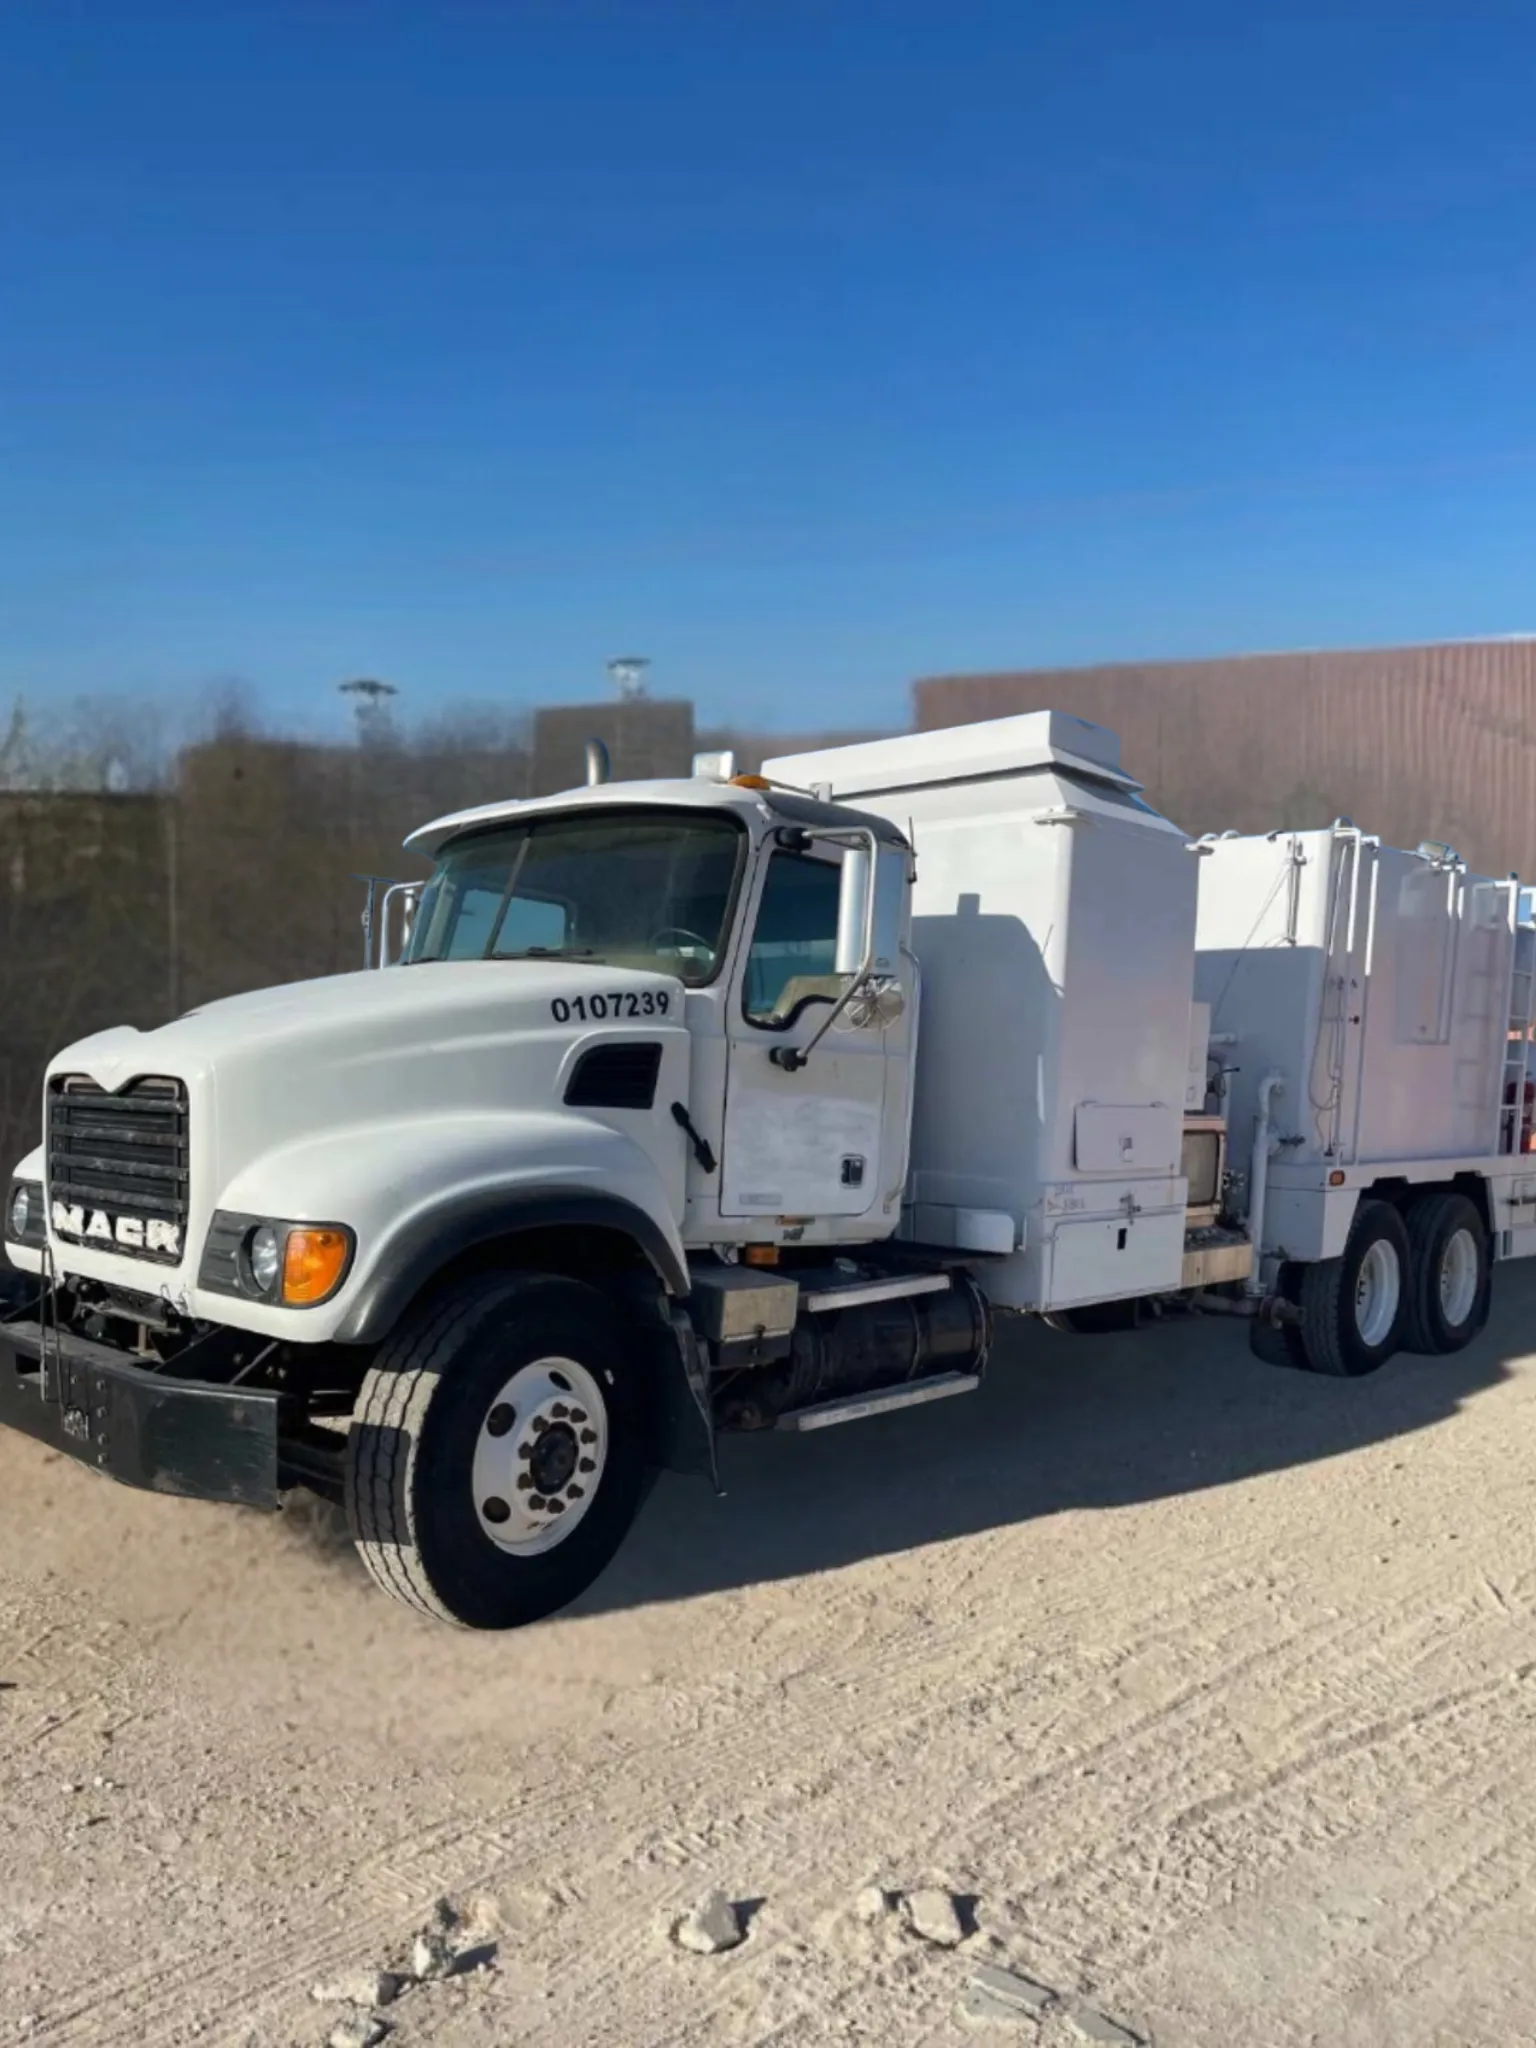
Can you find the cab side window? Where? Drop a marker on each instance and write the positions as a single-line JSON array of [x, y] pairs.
[[794, 943]]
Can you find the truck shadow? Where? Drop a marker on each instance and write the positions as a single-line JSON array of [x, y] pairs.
[[1061, 1422]]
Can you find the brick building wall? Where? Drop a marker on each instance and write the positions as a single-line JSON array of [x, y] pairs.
[[1412, 743]]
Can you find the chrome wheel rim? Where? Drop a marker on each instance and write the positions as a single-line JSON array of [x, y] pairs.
[[1458, 1277], [1378, 1289], [540, 1456]]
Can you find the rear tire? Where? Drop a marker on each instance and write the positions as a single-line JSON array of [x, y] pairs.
[[1450, 1275], [496, 1456], [1354, 1309]]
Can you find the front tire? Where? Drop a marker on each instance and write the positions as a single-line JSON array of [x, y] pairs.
[[496, 1457]]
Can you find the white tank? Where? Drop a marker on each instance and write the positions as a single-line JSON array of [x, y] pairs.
[[1377, 983], [1053, 919]]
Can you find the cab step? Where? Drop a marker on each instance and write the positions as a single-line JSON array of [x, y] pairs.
[[817, 1301], [855, 1407]]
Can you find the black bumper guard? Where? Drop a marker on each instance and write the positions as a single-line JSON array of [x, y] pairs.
[[140, 1426]]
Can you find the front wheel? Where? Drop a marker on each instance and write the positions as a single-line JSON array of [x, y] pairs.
[[496, 1456]]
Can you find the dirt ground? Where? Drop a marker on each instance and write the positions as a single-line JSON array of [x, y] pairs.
[[1209, 1688]]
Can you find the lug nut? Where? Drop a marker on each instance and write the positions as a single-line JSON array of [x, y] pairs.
[[540, 1424], [496, 1509], [589, 1436], [537, 1500], [578, 1415], [525, 1449], [556, 1507], [575, 1492], [524, 1483], [500, 1419], [560, 1409], [587, 1465]]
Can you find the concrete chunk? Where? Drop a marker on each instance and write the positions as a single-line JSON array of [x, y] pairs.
[[979, 2008], [1011, 1988], [934, 1915], [358, 1987], [359, 2030], [711, 1928], [1104, 2032], [431, 1957]]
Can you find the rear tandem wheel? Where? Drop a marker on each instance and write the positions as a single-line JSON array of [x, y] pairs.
[[1450, 1281], [1354, 1309]]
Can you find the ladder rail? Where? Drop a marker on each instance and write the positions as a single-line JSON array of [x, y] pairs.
[[1515, 1076]]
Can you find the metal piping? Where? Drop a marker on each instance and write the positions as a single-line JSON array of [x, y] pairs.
[[1258, 1180], [598, 769]]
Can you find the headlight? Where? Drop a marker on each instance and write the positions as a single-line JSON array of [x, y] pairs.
[[266, 1257], [263, 1258], [24, 1213]]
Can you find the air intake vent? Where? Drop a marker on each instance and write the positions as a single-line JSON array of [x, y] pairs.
[[117, 1166], [615, 1077]]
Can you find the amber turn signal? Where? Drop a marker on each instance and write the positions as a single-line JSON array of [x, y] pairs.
[[313, 1264]]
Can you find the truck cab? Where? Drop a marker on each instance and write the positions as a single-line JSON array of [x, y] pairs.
[[750, 912], [632, 1030]]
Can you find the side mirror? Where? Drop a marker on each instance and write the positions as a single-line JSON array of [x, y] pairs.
[[871, 907], [409, 897]]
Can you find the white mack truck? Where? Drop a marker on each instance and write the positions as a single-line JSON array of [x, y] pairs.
[[747, 1102]]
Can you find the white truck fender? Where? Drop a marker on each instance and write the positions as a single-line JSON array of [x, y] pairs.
[[419, 1191]]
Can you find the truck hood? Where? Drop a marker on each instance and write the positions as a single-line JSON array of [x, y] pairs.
[[340, 1059], [350, 1021], [362, 1097]]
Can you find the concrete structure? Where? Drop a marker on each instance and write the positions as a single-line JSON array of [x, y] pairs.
[[646, 737]]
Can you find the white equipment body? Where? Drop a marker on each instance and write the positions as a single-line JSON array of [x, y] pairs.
[[1391, 993], [1053, 920]]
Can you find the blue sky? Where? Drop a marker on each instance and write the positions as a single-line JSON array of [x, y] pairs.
[[803, 345]]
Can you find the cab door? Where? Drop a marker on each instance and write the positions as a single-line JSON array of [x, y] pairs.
[[804, 1142]]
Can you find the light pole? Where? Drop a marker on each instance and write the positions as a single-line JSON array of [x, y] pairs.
[[628, 673], [372, 701]]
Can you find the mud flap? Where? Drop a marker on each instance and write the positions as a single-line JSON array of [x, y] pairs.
[[688, 1419]]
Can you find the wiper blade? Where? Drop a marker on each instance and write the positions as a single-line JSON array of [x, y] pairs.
[[550, 953]]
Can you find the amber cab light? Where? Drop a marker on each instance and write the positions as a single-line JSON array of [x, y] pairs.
[[313, 1264]]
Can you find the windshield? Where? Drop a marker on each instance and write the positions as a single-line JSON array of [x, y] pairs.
[[622, 888]]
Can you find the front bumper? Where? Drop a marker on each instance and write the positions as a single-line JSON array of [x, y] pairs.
[[139, 1426]]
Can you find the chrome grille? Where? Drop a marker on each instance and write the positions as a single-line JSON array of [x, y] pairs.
[[122, 1157]]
